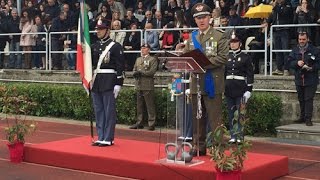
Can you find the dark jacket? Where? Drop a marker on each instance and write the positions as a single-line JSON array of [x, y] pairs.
[[13, 27], [239, 64], [106, 81], [311, 57], [281, 14]]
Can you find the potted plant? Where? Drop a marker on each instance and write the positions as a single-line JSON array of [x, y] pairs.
[[229, 157], [15, 107]]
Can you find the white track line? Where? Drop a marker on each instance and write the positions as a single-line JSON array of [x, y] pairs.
[[294, 177], [73, 170]]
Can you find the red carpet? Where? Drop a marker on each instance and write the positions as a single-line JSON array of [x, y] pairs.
[[137, 159]]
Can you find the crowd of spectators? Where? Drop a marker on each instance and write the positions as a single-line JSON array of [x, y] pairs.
[[62, 16]]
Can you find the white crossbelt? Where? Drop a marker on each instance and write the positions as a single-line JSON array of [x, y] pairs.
[[110, 71], [235, 77]]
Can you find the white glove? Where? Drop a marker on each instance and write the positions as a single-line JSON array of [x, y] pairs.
[[187, 92], [246, 96], [306, 67], [116, 90]]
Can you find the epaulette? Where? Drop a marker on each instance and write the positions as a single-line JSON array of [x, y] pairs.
[[220, 30]]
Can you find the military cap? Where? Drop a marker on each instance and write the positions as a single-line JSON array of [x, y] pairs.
[[200, 9], [102, 24], [145, 45], [234, 36]]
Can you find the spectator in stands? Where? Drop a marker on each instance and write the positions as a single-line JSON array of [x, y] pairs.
[[104, 12], [10, 6], [3, 39], [115, 17], [27, 41], [70, 45], [281, 14], [170, 10], [242, 7], [14, 40], [304, 14], [178, 19], [140, 8], [71, 20], [117, 6], [224, 22], [58, 25], [224, 8], [185, 34], [234, 18], [170, 38], [158, 22], [258, 44], [187, 14], [116, 35], [143, 72], [305, 60], [148, 19], [31, 9], [40, 44], [52, 9], [129, 19], [132, 42], [151, 38], [215, 19], [42, 13]]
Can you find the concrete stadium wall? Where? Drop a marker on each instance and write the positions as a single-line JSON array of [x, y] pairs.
[[282, 86]]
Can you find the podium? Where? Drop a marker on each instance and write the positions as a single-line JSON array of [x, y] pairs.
[[179, 117]]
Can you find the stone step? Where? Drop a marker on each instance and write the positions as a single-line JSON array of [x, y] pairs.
[[299, 132]]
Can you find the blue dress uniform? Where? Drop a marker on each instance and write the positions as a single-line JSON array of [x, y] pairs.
[[306, 80], [107, 76], [239, 79]]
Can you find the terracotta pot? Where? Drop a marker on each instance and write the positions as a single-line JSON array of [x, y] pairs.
[[228, 175], [16, 152]]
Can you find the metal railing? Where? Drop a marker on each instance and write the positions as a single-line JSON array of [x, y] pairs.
[[48, 36], [283, 50]]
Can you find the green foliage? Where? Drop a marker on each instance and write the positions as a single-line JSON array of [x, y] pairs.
[[71, 101], [229, 156], [17, 105], [264, 113]]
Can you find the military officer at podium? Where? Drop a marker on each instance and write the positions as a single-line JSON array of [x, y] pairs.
[[238, 83], [215, 46], [108, 65], [143, 72]]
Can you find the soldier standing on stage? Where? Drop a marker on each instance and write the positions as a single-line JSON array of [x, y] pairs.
[[108, 64], [215, 46], [238, 84], [143, 71]]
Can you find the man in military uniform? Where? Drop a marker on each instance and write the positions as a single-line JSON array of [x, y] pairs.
[[215, 46], [238, 85], [108, 64], [305, 60], [143, 71]]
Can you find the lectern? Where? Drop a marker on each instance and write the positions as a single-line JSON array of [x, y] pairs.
[[179, 106]]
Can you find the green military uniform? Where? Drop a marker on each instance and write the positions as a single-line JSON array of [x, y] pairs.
[[144, 85], [216, 47]]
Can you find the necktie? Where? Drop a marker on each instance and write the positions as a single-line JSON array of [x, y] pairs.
[[201, 37], [159, 26], [115, 35]]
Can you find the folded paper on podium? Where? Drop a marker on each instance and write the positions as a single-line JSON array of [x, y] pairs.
[[193, 61]]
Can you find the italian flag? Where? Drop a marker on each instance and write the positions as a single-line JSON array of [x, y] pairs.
[[84, 63]]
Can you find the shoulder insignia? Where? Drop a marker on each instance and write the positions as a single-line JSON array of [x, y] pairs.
[[220, 30]]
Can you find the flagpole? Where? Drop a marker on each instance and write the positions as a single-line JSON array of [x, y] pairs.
[[84, 62]]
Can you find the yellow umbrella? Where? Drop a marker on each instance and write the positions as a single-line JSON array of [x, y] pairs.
[[260, 11]]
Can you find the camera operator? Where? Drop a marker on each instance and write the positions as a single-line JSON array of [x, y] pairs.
[[305, 60], [143, 72]]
